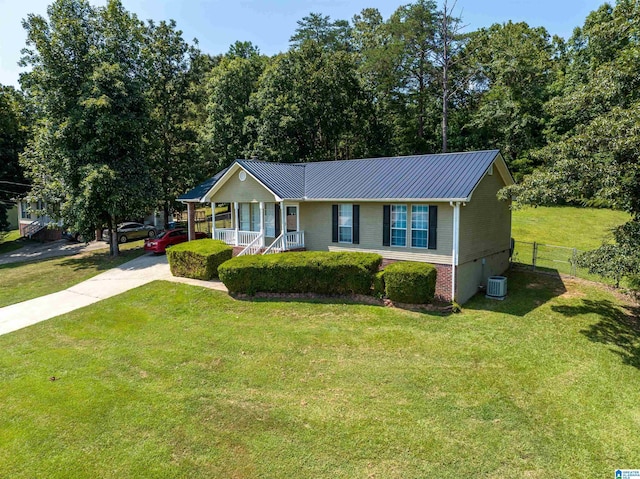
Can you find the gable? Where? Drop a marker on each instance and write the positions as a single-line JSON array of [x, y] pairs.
[[230, 188]]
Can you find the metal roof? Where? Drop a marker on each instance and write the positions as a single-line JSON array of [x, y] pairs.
[[199, 191], [444, 176], [284, 179]]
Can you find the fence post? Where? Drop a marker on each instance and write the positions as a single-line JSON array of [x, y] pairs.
[[574, 271], [535, 255]]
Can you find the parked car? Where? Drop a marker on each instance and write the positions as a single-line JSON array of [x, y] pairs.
[[73, 236], [131, 231], [168, 238]]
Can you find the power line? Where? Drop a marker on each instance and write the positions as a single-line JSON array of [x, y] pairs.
[[13, 183]]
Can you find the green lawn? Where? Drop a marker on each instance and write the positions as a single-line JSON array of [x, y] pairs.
[[9, 241], [28, 280], [581, 228], [175, 381]]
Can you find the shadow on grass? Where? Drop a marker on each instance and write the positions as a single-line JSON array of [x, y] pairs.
[[617, 326], [526, 291]]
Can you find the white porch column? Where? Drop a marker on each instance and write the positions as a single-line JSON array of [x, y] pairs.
[[283, 224], [213, 219], [191, 221], [262, 223], [236, 219]]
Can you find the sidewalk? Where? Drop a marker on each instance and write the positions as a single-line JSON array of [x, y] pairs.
[[127, 276]]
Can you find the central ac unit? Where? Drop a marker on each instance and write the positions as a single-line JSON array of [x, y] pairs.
[[496, 287]]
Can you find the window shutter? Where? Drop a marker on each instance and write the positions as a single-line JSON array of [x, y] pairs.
[[356, 224], [386, 225], [433, 227], [278, 220], [334, 223]]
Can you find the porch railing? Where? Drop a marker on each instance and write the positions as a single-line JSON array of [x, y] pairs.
[[288, 241], [253, 247], [294, 240], [35, 226], [226, 235], [243, 238]]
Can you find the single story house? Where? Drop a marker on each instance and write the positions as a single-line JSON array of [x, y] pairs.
[[440, 208], [32, 225]]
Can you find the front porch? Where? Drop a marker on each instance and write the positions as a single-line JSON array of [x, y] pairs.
[[258, 227]]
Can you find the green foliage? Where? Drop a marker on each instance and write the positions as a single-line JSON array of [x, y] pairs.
[[198, 259], [378, 284], [410, 282], [301, 272]]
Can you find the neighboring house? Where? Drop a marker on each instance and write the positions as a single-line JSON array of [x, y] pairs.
[[33, 226], [440, 209], [12, 217]]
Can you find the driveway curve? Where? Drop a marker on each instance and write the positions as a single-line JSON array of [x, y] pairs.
[[132, 274]]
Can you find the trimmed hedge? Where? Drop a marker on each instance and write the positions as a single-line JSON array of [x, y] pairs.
[[198, 259], [378, 284], [410, 282], [301, 272]]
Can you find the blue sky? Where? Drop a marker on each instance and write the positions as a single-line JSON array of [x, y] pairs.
[[269, 23]]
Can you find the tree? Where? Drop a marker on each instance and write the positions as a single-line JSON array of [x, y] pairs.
[[14, 122], [319, 29], [230, 86], [593, 157], [312, 107], [173, 154], [88, 156]]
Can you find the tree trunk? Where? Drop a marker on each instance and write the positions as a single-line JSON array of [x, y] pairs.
[[113, 232], [166, 214]]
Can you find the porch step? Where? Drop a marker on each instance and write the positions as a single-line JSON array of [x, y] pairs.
[[238, 249]]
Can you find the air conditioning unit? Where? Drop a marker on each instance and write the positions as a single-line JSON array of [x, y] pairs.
[[496, 287]]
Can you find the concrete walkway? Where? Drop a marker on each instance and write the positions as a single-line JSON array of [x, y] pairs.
[[50, 249], [132, 274]]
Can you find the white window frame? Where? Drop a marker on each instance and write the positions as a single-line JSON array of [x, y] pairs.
[[405, 229], [345, 210], [244, 216], [420, 229], [270, 220]]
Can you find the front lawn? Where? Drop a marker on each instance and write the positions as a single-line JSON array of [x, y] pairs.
[[10, 241], [28, 280], [173, 381]]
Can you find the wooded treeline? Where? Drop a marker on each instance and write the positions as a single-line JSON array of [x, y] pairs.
[[124, 115]]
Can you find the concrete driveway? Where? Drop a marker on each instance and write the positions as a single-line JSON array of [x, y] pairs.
[[50, 249], [132, 274]]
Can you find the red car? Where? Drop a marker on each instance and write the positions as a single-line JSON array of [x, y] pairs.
[[168, 238]]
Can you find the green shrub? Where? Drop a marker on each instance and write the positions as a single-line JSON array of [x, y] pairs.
[[301, 272], [410, 282], [198, 259], [378, 284]]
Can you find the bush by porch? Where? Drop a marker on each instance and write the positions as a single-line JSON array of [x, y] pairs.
[[302, 272], [198, 259]]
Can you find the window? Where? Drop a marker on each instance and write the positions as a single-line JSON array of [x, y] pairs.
[[24, 210], [255, 217], [345, 223], [419, 226], [398, 225], [244, 216], [270, 219]]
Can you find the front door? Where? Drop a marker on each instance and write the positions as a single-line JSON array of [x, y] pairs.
[[292, 218]]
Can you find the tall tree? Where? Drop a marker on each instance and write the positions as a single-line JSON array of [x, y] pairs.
[[227, 132], [88, 154], [174, 158], [14, 123], [319, 29]]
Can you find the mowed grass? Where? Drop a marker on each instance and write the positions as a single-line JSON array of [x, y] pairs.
[[175, 381], [581, 228], [9, 241], [27, 280]]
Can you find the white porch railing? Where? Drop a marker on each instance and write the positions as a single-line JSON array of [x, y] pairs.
[[253, 247], [288, 241], [35, 226], [247, 237], [294, 240], [276, 247], [226, 235]]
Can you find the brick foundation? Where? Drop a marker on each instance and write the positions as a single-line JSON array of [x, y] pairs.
[[443, 279]]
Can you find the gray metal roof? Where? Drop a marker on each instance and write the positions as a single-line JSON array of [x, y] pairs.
[[199, 191], [442, 176], [285, 179]]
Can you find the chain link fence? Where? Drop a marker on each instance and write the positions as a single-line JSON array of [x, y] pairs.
[[549, 258]]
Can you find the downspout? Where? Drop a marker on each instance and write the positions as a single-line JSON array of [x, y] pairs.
[[456, 244]]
